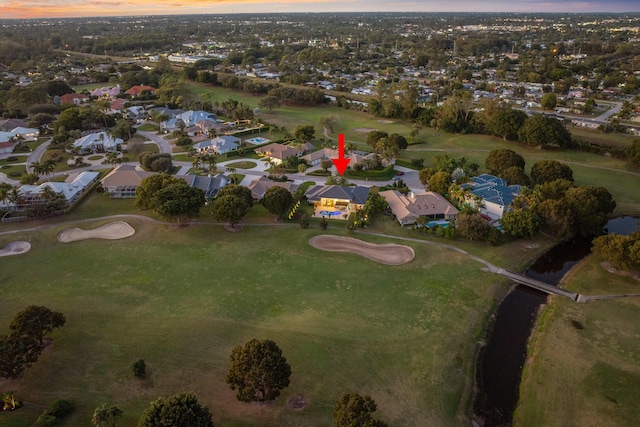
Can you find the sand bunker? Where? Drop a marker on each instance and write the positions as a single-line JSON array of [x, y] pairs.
[[112, 231], [388, 253], [15, 248], [364, 129]]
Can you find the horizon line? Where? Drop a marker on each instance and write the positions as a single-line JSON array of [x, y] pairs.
[[635, 12]]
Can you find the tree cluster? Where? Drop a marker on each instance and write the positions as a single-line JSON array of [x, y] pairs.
[[155, 162], [170, 197], [232, 203], [621, 252]]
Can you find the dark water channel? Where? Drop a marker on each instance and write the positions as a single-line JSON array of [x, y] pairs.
[[500, 362]]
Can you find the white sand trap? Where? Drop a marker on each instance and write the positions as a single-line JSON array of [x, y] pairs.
[[364, 129], [387, 253], [111, 231], [15, 248]]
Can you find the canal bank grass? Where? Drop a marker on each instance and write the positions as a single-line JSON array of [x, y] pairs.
[[182, 298], [583, 367]]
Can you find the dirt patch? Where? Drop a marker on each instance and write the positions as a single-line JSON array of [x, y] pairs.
[[111, 231], [297, 401], [633, 274], [367, 130], [15, 248], [388, 253]]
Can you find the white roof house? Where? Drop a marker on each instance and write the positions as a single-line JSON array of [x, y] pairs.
[[71, 189], [225, 143], [97, 142]]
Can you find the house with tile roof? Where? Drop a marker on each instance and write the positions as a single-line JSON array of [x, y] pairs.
[[494, 194], [209, 184], [134, 91], [123, 180], [74, 98], [336, 201], [410, 208], [259, 187], [276, 152]]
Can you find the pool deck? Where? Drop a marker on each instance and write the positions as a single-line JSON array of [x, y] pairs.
[[320, 212]]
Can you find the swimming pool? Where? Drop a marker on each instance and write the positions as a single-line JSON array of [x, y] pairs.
[[257, 140], [330, 213]]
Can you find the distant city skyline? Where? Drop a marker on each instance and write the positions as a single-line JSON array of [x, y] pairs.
[[88, 8]]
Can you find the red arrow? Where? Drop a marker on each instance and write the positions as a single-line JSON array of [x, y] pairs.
[[341, 163]]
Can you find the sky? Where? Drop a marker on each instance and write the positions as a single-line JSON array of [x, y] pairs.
[[82, 8]]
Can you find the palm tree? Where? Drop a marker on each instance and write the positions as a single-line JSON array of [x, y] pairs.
[[197, 161], [14, 197], [211, 159], [48, 167], [36, 167]]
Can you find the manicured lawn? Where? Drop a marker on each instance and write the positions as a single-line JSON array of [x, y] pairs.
[[182, 298], [583, 366], [148, 127], [242, 165]]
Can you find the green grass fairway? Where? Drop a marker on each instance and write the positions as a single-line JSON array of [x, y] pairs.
[[182, 298], [588, 376]]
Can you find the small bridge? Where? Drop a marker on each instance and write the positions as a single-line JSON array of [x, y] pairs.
[[540, 286]]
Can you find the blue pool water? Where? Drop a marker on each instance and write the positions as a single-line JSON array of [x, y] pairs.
[[330, 213], [257, 140]]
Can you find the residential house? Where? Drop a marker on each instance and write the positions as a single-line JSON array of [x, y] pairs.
[[259, 187], [7, 125], [225, 144], [122, 181], [408, 209], [117, 105], [8, 139], [336, 200], [135, 91], [494, 194], [209, 184], [74, 98], [185, 119], [74, 186], [106, 92], [277, 152], [203, 147], [316, 157], [97, 142]]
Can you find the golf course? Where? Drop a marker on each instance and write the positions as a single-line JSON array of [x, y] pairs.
[[182, 298]]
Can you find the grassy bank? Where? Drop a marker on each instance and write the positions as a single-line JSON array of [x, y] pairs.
[[583, 366]]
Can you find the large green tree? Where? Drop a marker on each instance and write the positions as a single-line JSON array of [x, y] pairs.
[[549, 101], [440, 182], [178, 200], [179, 410], [230, 208], [622, 252], [506, 122], [36, 321], [237, 190], [550, 170], [501, 159], [544, 131], [304, 133], [258, 371], [150, 186], [521, 222], [277, 200], [353, 410], [106, 416]]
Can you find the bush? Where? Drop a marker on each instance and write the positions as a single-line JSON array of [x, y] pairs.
[[139, 368], [324, 224], [304, 221], [60, 408], [46, 420]]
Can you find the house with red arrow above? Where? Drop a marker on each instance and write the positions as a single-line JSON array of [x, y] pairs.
[[336, 201]]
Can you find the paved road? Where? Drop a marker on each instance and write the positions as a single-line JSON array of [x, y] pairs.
[[36, 155], [163, 145]]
